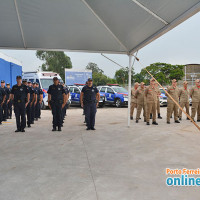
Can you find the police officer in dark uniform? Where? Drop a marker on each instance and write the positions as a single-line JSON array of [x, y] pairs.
[[9, 102], [20, 96], [30, 118], [67, 97], [29, 106], [2, 100], [89, 101], [56, 102], [5, 105], [39, 101], [34, 103]]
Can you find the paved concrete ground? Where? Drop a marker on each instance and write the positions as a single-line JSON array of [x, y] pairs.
[[112, 163]]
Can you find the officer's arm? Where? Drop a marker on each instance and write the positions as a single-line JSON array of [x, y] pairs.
[[136, 94], [28, 97], [12, 96], [98, 97], [64, 98], [145, 92], [179, 92], [41, 97], [35, 98], [191, 92], [4, 98], [81, 98]]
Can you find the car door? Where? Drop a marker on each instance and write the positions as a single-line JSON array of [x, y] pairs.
[[71, 90], [76, 95], [110, 95]]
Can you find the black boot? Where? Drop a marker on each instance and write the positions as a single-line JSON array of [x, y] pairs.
[[59, 128], [151, 116], [54, 128], [159, 117], [154, 123]]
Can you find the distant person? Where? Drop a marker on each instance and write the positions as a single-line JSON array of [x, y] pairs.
[[20, 96], [133, 100], [2, 100], [151, 98], [171, 106], [5, 105], [158, 100], [34, 103], [39, 102], [56, 102], [184, 99], [141, 102], [9, 102], [195, 95], [89, 101]]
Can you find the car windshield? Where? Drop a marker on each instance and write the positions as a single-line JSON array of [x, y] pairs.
[[162, 91], [120, 90], [46, 83]]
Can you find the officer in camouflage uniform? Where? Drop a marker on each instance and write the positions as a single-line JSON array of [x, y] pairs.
[[171, 106], [133, 99], [158, 100], [184, 99], [151, 98], [141, 102], [195, 95]]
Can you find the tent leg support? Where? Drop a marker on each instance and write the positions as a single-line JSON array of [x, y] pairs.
[[129, 88]]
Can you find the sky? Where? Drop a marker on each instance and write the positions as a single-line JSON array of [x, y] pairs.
[[181, 45]]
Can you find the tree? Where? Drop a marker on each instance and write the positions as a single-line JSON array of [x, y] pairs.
[[121, 75], [55, 61], [94, 67], [98, 76], [163, 72]]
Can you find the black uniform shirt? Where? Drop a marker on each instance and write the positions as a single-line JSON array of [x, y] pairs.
[[56, 92], [2, 94], [20, 93], [89, 94], [6, 92]]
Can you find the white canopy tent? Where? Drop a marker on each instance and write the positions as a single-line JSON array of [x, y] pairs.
[[105, 26]]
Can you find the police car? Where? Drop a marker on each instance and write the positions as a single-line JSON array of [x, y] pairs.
[[45, 79], [114, 95], [75, 92], [163, 97]]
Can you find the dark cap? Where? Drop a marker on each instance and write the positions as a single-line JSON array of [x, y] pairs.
[[29, 81], [55, 78], [2, 81], [89, 79], [7, 83], [24, 80], [18, 77], [34, 83]]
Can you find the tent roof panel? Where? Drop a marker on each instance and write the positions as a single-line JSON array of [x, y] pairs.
[[118, 26]]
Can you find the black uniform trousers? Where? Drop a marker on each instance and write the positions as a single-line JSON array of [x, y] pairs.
[[57, 114], [1, 113], [37, 110], [32, 112], [5, 111], [90, 112], [20, 112], [28, 113], [10, 109]]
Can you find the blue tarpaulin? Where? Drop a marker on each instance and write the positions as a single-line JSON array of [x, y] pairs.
[[9, 71], [76, 77]]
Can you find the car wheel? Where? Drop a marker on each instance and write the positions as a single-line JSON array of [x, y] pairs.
[[118, 103], [43, 107]]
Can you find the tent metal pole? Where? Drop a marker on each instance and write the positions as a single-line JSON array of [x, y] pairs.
[[129, 88]]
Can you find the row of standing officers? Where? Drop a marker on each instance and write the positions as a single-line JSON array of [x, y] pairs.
[[148, 100], [26, 97]]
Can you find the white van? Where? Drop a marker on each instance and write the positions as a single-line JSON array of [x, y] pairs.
[[45, 79]]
